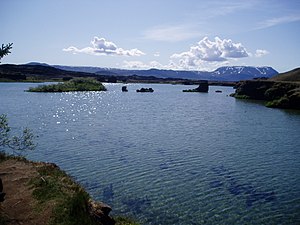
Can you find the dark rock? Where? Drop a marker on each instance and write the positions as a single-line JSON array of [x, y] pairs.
[[260, 196], [234, 187], [218, 91], [145, 90], [2, 194], [100, 212], [124, 89], [203, 87], [277, 94]]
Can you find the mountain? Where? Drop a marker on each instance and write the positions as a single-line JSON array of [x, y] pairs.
[[293, 75], [243, 72], [227, 73]]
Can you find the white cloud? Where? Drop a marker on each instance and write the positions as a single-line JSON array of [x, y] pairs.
[[213, 52], [261, 52], [171, 33], [156, 54], [104, 47], [279, 20], [149, 65], [135, 65]]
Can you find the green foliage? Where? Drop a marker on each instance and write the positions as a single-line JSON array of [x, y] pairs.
[[240, 96], [283, 102], [19, 144], [72, 200], [5, 50], [73, 211], [77, 84], [120, 220], [3, 219]]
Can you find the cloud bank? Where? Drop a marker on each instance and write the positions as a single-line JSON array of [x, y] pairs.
[[279, 20], [260, 52], [171, 33], [205, 50], [100, 46]]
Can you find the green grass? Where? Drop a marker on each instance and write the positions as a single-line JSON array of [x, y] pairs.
[[3, 219], [125, 221], [240, 96], [72, 200], [77, 84], [72, 208]]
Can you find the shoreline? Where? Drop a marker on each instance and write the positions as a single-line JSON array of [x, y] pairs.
[[42, 193]]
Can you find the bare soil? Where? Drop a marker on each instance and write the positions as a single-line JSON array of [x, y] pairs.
[[19, 206]]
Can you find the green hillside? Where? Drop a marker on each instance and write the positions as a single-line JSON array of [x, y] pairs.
[[293, 75]]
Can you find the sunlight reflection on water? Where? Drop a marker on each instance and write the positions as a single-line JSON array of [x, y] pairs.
[[169, 157]]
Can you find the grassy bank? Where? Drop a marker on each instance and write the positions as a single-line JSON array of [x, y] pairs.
[[51, 196], [276, 94]]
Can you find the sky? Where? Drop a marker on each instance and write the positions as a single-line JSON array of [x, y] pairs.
[[163, 34]]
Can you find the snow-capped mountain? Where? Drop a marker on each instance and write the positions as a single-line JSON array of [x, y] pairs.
[[225, 73], [244, 72]]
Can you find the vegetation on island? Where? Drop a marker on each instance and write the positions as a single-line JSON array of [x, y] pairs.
[[76, 84], [276, 94]]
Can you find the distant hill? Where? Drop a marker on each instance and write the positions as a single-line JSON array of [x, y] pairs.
[[227, 73], [42, 70], [293, 75], [37, 71]]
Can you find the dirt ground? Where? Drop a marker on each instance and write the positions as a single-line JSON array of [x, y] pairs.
[[19, 207]]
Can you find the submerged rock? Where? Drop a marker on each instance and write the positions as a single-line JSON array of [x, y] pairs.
[[137, 205], [108, 193]]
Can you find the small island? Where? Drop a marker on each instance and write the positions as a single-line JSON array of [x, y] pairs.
[[76, 84], [281, 91], [145, 90]]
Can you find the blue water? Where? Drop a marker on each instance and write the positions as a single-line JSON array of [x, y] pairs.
[[169, 157]]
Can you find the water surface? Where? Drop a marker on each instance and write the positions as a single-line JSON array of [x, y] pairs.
[[169, 157]]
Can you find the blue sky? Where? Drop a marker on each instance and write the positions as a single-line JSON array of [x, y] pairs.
[[141, 34]]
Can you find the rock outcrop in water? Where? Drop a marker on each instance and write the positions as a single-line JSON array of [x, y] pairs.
[[145, 90], [203, 87], [124, 89], [276, 94]]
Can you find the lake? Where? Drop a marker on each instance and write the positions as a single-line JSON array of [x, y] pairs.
[[168, 157]]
